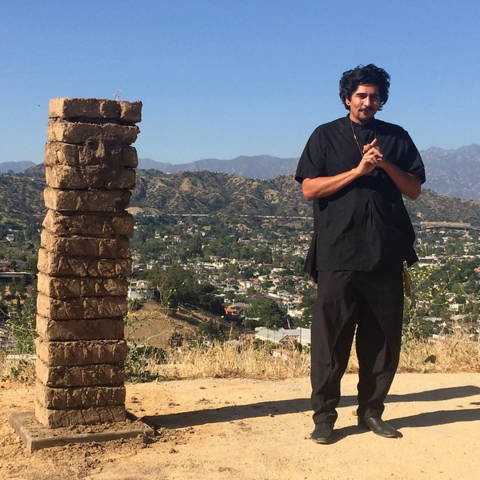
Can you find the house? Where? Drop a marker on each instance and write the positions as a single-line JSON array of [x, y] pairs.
[[140, 289], [3, 337], [456, 307], [235, 310], [282, 335], [7, 277]]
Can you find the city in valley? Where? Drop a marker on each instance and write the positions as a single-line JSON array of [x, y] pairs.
[[246, 274]]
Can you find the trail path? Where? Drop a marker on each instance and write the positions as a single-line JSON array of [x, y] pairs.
[[248, 429]]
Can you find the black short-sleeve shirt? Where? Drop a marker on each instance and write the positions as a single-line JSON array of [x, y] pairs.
[[364, 226]]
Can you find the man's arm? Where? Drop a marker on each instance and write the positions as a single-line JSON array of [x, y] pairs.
[[319, 187], [409, 184]]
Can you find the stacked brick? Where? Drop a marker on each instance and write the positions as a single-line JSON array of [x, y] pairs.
[[84, 261]]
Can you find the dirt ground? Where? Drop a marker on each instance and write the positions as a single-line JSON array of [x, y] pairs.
[[248, 429]]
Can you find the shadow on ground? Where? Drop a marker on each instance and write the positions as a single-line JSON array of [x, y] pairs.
[[283, 407]]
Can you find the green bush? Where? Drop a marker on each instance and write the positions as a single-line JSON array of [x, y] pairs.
[[138, 361]]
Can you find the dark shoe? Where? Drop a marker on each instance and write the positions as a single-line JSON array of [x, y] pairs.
[[323, 433], [379, 427]]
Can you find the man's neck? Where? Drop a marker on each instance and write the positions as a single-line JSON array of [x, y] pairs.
[[358, 122]]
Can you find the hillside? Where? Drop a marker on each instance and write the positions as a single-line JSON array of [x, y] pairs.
[[207, 193], [213, 193], [22, 200], [432, 207], [453, 173], [450, 172]]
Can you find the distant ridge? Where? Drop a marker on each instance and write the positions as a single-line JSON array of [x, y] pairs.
[[259, 166], [455, 173], [210, 193], [15, 167]]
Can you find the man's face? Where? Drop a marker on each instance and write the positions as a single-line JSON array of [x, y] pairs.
[[364, 103]]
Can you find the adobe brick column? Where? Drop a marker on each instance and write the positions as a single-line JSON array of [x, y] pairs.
[[85, 261]]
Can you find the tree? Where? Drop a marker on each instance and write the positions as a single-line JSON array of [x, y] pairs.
[[211, 330], [194, 246], [268, 311], [173, 285], [247, 272], [308, 301], [152, 248], [263, 255], [298, 266], [3, 311], [206, 299]]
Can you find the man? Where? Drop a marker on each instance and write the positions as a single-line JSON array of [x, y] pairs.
[[356, 169]]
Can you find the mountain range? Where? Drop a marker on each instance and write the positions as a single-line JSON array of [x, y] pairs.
[[454, 173], [208, 192], [212, 193], [15, 167], [259, 166]]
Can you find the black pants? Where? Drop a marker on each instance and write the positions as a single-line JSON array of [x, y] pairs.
[[370, 304]]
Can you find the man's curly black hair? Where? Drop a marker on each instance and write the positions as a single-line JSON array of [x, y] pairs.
[[361, 75]]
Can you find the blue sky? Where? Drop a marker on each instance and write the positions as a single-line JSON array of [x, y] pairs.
[[223, 78]]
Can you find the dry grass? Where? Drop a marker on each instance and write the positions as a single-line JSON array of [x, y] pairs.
[[22, 371], [223, 360], [249, 360], [451, 355]]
